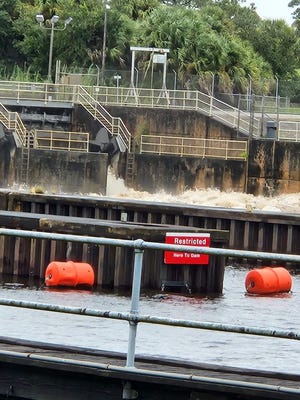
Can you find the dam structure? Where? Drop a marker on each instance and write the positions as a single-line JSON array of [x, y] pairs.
[[64, 137]]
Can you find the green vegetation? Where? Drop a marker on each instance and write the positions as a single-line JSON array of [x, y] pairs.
[[220, 38]]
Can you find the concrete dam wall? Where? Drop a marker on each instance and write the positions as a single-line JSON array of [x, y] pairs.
[[272, 167], [53, 171]]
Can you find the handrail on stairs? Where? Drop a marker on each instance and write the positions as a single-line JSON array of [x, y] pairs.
[[114, 125], [13, 122]]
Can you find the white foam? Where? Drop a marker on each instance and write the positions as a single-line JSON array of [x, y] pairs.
[[287, 203]]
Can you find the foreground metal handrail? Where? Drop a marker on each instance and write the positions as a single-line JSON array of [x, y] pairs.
[[151, 319], [139, 245]]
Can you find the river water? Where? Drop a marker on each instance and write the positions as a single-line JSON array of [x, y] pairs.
[[233, 307]]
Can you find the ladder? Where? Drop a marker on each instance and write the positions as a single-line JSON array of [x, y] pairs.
[[25, 157], [130, 158]]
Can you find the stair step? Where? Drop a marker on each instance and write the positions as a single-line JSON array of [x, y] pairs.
[[121, 139]]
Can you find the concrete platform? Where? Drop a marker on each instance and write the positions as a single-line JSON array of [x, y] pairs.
[[32, 370]]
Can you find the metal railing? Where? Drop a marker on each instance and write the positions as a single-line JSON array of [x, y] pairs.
[[230, 116], [15, 92], [289, 131], [61, 140], [249, 123], [13, 122], [197, 147], [113, 124], [133, 317]]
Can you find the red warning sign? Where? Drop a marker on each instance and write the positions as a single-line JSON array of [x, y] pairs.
[[187, 239]]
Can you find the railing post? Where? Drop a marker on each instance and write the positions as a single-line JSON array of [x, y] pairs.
[[211, 105], [46, 93], [238, 116], [76, 94], [18, 93], [135, 298], [8, 120]]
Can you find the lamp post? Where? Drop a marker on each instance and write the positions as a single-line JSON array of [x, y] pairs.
[[249, 95], [53, 20], [106, 7], [175, 80], [117, 78], [136, 77], [212, 84], [277, 90]]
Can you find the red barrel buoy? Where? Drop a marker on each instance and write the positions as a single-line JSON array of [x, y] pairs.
[[69, 273], [268, 280]]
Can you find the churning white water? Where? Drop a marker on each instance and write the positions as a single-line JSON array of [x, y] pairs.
[[116, 188], [287, 203]]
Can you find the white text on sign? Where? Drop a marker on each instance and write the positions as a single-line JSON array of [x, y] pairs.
[[187, 239]]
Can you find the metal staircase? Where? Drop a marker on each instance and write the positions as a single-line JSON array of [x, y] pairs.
[[23, 139], [114, 125], [13, 123]]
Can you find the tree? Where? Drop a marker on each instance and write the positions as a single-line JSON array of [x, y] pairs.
[[296, 12], [187, 3], [203, 41], [278, 44], [8, 14], [205, 38], [135, 9], [245, 21]]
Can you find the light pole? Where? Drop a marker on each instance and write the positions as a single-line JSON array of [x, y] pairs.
[[106, 7], [249, 95], [117, 78], [175, 80], [136, 77], [53, 20], [212, 84], [277, 90]]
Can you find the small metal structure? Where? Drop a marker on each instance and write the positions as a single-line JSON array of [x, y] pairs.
[[159, 57]]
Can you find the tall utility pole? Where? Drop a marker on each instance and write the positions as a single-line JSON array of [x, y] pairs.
[[106, 8]]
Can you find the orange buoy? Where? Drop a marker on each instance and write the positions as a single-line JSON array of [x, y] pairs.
[[268, 280], [69, 273]]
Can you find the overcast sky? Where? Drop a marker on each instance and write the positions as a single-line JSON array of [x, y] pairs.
[[273, 9]]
